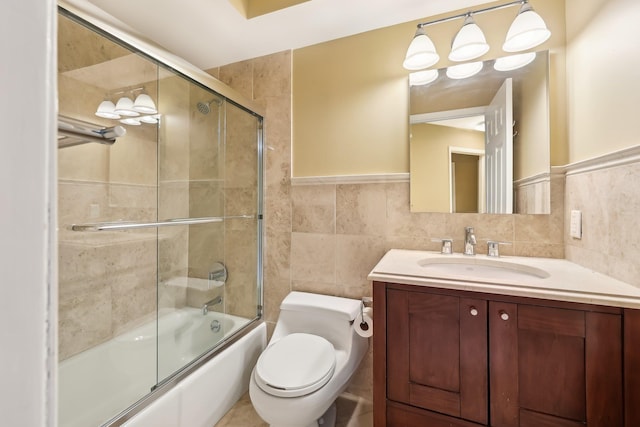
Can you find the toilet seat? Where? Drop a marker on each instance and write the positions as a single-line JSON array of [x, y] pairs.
[[296, 365]]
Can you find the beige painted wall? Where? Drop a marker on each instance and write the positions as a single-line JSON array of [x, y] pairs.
[[603, 85], [430, 163], [350, 96], [466, 173]]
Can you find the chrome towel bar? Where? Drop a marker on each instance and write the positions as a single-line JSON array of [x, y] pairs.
[[72, 132], [130, 225]]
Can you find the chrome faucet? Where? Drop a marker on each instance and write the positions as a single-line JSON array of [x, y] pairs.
[[205, 308], [469, 241]]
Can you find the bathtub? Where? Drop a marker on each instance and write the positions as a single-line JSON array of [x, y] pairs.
[[101, 382]]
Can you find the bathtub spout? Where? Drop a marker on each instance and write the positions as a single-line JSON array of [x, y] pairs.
[[205, 308]]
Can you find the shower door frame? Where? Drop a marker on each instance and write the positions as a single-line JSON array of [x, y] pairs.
[[194, 75]]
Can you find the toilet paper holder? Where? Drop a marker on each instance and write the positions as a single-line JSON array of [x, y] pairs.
[[365, 300]]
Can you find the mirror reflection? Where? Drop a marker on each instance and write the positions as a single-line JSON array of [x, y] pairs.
[[481, 144]]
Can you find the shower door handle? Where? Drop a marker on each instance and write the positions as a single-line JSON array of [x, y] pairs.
[[130, 225]]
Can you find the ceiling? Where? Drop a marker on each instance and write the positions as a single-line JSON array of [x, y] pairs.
[[211, 33]]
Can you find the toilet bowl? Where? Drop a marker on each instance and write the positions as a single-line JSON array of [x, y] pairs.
[[309, 361]]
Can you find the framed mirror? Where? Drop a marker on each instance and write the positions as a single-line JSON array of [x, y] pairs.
[[481, 144]]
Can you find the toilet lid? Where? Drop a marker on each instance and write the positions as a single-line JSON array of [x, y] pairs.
[[295, 365]]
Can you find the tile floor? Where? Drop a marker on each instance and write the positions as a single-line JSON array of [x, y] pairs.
[[352, 412]]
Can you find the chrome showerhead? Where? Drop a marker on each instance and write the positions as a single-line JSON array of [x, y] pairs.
[[204, 107]]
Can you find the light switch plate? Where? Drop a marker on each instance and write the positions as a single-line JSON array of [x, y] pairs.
[[575, 229]]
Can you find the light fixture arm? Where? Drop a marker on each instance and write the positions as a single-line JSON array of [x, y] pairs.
[[472, 12]]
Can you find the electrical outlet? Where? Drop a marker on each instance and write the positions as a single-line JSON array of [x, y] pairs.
[[575, 229]]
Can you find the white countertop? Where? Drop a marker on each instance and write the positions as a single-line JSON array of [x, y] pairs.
[[566, 281]]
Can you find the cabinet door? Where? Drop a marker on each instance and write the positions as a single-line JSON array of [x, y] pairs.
[[437, 353], [554, 367]]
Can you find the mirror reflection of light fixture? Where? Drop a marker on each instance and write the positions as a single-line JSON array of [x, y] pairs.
[[527, 31], [463, 71], [152, 119], [513, 62], [124, 107], [131, 121], [144, 104], [142, 110], [423, 77], [421, 53], [106, 109], [469, 43]]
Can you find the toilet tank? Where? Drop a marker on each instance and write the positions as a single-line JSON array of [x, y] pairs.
[[327, 316]]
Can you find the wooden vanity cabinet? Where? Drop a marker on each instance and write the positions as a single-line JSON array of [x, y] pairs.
[[438, 353], [462, 359]]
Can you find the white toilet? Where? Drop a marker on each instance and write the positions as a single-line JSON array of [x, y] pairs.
[[309, 361]]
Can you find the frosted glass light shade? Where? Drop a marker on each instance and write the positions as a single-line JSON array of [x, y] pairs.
[[421, 53], [149, 119], [423, 77], [528, 30], [513, 62], [130, 121], [144, 104], [106, 109], [124, 107], [464, 71], [469, 43]]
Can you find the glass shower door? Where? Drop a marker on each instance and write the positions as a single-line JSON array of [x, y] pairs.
[[159, 224], [107, 279]]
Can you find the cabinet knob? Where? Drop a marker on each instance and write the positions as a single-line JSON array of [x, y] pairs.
[[473, 311], [504, 315]]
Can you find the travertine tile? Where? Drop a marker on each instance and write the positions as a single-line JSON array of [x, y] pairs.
[[274, 292], [242, 415], [239, 76], [313, 208], [277, 255], [361, 209], [272, 75], [84, 316], [277, 208], [355, 258], [313, 257], [352, 411]]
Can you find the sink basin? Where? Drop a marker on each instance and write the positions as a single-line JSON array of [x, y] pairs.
[[479, 268]]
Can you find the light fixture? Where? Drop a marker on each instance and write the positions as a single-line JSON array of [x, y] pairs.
[[124, 107], [463, 71], [419, 78], [144, 104], [469, 43], [421, 53], [106, 109], [152, 119], [528, 30], [130, 121], [513, 62]]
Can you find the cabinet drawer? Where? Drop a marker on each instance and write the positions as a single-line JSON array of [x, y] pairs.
[[406, 416]]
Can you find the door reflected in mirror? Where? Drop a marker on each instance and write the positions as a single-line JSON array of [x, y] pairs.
[[482, 144]]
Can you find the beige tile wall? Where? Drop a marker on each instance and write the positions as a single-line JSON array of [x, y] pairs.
[[609, 200], [326, 238]]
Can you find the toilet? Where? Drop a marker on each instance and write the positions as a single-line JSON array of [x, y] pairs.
[[309, 361]]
